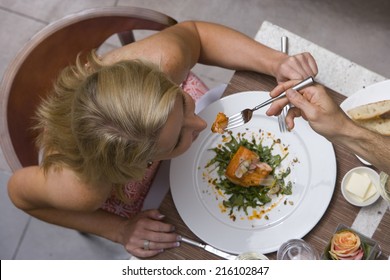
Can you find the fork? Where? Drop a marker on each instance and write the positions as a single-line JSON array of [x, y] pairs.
[[283, 113], [245, 115]]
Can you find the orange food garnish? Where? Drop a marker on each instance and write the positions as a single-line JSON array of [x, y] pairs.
[[220, 123], [245, 168]]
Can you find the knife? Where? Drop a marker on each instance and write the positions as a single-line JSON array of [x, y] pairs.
[[209, 248]]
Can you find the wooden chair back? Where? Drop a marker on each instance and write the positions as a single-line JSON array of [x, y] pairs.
[[30, 76]]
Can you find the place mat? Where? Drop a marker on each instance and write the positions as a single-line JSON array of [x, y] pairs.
[[336, 72]]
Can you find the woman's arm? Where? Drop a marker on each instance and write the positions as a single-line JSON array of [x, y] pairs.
[[77, 207], [178, 48], [231, 49]]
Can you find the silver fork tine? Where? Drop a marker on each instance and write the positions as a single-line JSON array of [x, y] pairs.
[[236, 122], [282, 120], [235, 117]]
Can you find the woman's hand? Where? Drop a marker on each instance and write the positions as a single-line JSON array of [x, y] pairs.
[[313, 104], [296, 67], [146, 235]]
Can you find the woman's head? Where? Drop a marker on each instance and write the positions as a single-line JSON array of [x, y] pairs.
[[105, 122], [117, 117]]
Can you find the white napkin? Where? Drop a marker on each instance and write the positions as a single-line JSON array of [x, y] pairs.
[[209, 97]]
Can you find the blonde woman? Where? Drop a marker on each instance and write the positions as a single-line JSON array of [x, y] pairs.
[[111, 120]]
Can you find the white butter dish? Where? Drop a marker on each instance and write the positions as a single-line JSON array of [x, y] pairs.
[[355, 199]]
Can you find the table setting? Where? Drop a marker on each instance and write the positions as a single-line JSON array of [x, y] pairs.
[[317, 208]]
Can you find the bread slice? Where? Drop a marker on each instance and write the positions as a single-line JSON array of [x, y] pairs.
[[379, 109], [381, 126]]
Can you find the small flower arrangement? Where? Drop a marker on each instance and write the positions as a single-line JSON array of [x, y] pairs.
[[347, 244]]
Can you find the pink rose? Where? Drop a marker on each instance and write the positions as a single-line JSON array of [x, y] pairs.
[[346, 245]]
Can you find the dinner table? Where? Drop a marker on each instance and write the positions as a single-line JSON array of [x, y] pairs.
[[373, 221]]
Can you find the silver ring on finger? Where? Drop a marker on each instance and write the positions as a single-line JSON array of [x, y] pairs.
[[146, 245]]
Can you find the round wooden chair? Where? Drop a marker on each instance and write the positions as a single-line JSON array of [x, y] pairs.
[[30, 75]]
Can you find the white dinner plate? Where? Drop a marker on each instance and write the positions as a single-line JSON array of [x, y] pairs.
[[313, 174], [373, 93]]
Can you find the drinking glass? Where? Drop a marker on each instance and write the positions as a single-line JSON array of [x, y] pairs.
[[297, 249]]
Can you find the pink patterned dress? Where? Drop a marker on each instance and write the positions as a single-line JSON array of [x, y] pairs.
[[136, 192]]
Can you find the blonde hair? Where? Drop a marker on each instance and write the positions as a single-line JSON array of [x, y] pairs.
[[103, 122]]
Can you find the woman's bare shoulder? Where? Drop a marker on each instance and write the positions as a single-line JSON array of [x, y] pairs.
[[175, 50], [31, 188]]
